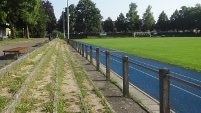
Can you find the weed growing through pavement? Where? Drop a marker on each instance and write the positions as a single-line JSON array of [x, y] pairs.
[[3, 101]]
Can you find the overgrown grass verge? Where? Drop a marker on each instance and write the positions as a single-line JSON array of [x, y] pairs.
[[33, 98], [61, 102], [68, 101], [11, 82], [3, 101]]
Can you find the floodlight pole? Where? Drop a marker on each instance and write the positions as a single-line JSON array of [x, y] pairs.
[[63, 24], [68, 19]]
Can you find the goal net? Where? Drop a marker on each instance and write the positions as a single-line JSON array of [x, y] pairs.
[[142, 34]]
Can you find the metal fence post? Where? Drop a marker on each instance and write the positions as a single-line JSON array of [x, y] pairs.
[[91, 54], [80, 45], [164, 90], [125, 77], [107, 54], [76, 46], [97, 59], [82, 50], [86, 50]]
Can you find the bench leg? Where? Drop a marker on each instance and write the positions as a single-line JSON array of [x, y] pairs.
[[17, 55], [4, 55]]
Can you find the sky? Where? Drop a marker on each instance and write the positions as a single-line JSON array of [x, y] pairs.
[[112, 8]]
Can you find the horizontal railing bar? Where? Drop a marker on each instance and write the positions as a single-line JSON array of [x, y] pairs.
[[185, 82], [155, 71], [102, 51], [115, 56]]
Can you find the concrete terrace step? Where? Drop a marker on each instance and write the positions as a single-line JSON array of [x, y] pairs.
[[113, 93]]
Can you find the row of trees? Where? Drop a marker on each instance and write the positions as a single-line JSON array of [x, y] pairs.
[[86, 17], [27, 17], [36, 17], [131, 22], [186, 19]]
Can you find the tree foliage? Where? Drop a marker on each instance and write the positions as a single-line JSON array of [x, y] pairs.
[[121, 23], [39, 29], [23, 16], [148, 19], [88, 17], [133, 18], [2, 12], [85, 17], [108, 25], [49, 12], [174, 20], [72, 17], [162, 22], [186, 19]]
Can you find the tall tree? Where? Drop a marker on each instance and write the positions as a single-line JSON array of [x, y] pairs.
[[49, 11], [162, 23], [11, 13], [174, 20], [2, 12], [108, 25], [29, 12], [148, 19], [88, 17], [133, 17], [39, 29], [72, 17], [61, 22], [197, 17], [121, 23], [183, 18]]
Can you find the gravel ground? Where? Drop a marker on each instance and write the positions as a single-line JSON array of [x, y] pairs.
[[4, 60]]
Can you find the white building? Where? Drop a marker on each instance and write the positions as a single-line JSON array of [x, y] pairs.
[[4, 32]]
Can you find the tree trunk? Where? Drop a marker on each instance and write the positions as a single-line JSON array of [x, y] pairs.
[[23, 32], [12, 29], [27, 28]]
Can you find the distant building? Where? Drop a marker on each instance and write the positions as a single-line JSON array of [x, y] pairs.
[[4, 31]]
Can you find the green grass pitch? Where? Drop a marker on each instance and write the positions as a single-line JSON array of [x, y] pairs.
[[185, 51]]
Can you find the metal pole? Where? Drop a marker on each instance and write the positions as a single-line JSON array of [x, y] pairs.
[[91, 54], [82, 50], [63, 24], [68, 19]]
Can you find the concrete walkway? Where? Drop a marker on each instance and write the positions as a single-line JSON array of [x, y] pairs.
[[139, 103]]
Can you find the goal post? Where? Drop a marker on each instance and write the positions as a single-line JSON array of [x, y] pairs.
[[142, 34]]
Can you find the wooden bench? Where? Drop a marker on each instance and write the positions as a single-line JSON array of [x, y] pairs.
[[16, 50]]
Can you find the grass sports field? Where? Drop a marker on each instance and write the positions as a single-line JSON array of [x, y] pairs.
[[185, 51]]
